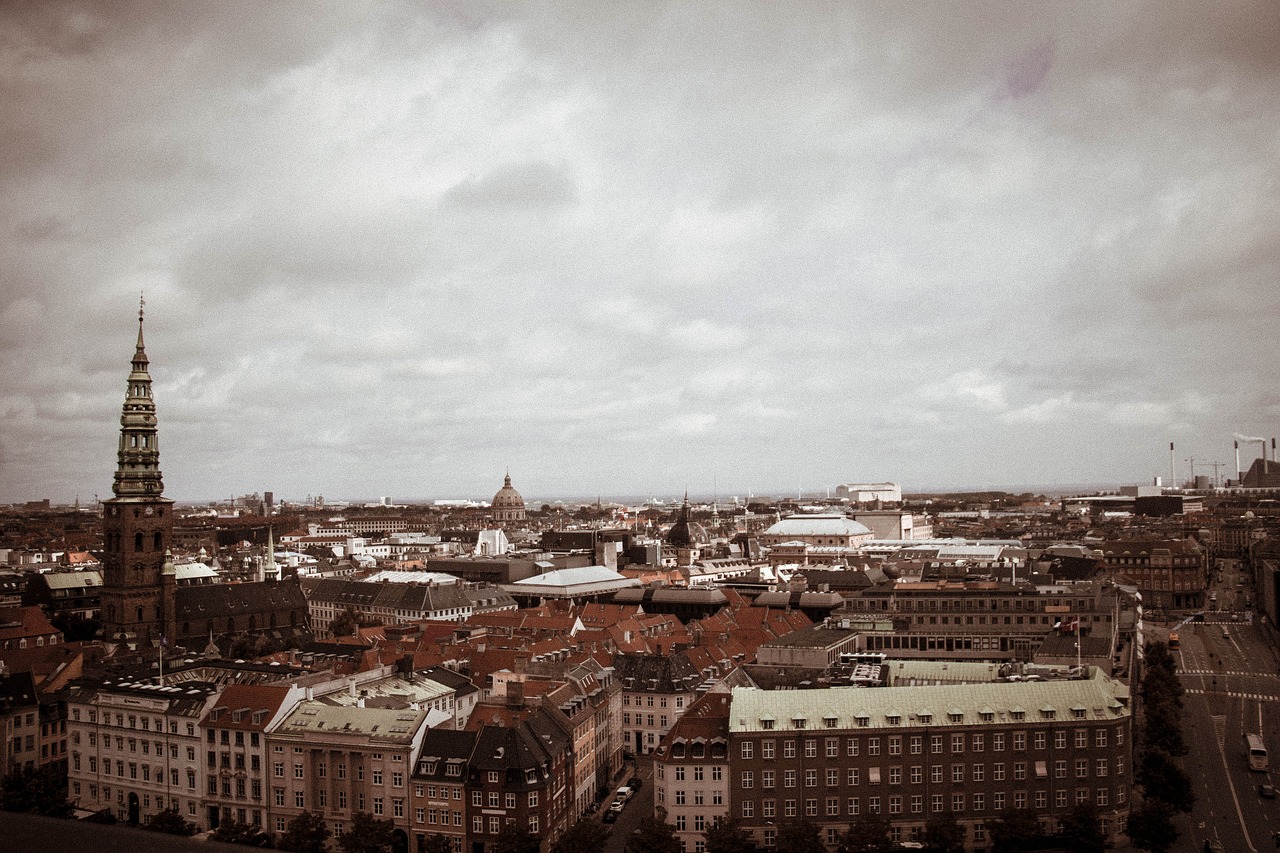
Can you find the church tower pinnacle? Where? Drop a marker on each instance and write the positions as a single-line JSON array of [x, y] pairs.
[[137, 523], [138, 469]]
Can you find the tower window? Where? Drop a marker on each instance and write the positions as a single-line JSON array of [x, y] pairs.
[[155, 538], [137, 541]]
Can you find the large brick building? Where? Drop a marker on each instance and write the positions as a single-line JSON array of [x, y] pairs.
[[908, 753]]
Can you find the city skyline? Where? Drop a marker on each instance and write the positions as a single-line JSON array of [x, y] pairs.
[[731, 248]]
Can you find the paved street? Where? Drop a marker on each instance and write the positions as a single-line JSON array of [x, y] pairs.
[[1231, 676], [640, 805]]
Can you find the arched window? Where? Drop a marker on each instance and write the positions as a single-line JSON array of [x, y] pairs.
[[137, 541], [155, 538]]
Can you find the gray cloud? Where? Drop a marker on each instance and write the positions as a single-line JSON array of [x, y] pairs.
[[396, 249]]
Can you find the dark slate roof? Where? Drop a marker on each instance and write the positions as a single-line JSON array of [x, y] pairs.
[[17, 690], [222, 600], [515, 752], [442, 748], [656, 673]]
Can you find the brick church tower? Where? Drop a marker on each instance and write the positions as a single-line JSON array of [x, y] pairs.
[[138, 587]]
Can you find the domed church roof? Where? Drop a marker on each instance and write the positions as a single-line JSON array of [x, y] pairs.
[[507, 504], [507, 497]]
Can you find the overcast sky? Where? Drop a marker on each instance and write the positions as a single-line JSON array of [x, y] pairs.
[[628, 249]]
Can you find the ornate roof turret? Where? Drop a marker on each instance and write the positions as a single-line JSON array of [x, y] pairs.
[[138, 469], [683, 534]]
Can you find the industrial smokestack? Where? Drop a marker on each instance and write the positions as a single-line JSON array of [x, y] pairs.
[[1273, 449], [1238, 475], [1173, 474]]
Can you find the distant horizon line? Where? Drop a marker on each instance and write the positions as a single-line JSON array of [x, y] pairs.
[[629, 499]]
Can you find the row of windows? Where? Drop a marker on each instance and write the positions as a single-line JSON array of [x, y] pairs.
[[430, 792], [893, 744], [437, 817], [938, 773], [495, 800], [900, 602], [696, 772], [133, 744], [134, 721], [648, 701], [133, 770], [239, 787], [496, 824], [322, 772], [897, 804], [226, 737]]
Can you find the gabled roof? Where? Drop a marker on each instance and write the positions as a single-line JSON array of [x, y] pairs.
[[246, 707]]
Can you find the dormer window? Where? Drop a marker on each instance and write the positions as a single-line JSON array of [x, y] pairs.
[[864, 721], [453, 769], [894, 719], [926, 719], [798, 723], [766, 723]]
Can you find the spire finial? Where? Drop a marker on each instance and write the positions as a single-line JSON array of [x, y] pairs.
[[142, 305]]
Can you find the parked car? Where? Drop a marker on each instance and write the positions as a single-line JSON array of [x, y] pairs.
[[1213, 846], [610, 816], [1267, 791], [635, 783], [624, 793]]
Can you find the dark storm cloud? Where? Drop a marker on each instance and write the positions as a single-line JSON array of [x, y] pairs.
[[397, 248]]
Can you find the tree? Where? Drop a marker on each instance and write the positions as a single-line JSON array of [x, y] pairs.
[[41, 791], [1162, 779], [652, 836], [170, 822], [306, 833], [1082, 829], [868, 834], [368, 834], [1015, 830], [1150, 827], [515, 838], [726, 836], [346, 624], [437, 843], [585, 836], [799, 836], [1163, 728], [246, 834], [943, 833]]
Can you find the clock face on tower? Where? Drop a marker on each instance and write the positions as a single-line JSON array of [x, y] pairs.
[[150, 511]]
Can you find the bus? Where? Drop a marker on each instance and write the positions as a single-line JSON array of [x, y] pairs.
[[1174, 641], [1256, 751]]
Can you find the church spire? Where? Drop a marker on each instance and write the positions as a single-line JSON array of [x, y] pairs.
[[138, 468]]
